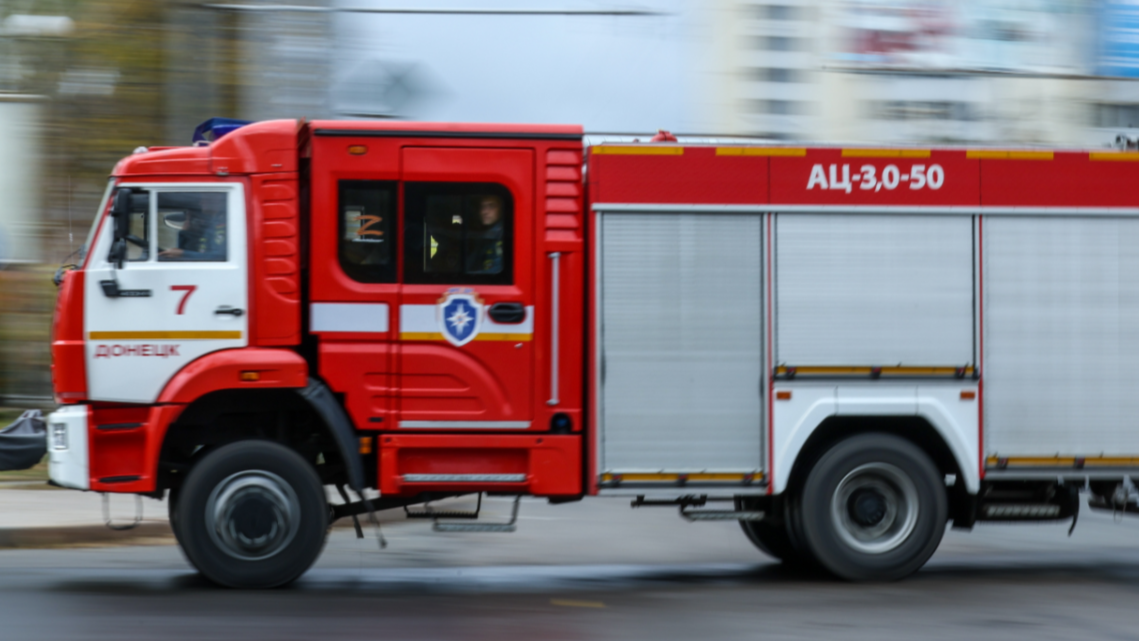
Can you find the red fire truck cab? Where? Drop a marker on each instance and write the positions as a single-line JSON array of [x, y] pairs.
[[429, 310]]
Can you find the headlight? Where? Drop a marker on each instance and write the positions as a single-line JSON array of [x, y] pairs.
[[59, 436]]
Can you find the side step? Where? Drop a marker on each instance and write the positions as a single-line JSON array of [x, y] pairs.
[[445, 526], [1020, 512], [684, 504], [722, 515]]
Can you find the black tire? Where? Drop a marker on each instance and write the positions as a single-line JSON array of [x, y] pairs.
[[773, 537], [873, 508], [252, 514]]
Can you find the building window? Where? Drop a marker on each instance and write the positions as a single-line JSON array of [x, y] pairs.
[[776, 107], [775, 74], [1115, 116], [902, 110], [775, 43]]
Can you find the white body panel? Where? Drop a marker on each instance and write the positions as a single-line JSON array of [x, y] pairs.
[[135, 345], [939, 403], [69, 466]]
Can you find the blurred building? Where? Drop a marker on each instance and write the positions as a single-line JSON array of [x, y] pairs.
[[1053, 72]]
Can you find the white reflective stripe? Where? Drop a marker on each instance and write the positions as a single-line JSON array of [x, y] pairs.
[[349, 317], [416, 319], [465, 425], [464, 478]]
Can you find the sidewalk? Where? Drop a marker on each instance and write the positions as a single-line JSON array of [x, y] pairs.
[[35, 515], [50, 517]]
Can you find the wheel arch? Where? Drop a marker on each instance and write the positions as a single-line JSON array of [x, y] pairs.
[[307, 418], [918, 430]]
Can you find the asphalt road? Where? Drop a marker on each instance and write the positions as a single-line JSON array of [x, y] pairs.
[[592, 570]]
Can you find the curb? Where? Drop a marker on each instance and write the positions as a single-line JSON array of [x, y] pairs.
[[63, 536]]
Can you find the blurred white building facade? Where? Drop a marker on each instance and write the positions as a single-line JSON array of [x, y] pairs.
[[1050, 72], [1044, 72]]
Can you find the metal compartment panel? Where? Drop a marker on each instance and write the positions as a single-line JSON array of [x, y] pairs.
[[874, 290], [681, 338], [1061, 336]]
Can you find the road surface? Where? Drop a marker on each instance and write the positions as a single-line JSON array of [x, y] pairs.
[[590, 570]]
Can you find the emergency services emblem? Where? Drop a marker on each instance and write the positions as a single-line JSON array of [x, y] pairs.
[[459, 313]]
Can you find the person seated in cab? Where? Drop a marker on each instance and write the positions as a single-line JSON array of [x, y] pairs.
[[202, 237], [485, 238]]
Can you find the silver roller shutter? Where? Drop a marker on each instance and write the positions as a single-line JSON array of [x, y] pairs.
[[682, 335], [1061, 317], [874, 290]]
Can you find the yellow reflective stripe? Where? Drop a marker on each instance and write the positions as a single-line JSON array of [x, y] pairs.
[[885, 153], [761, 151], [438, 336], [865, 370], [1064, 461], [639, 150], [674, 477], [141, 336], [503, 337], [1008, 155], [1125, 156]]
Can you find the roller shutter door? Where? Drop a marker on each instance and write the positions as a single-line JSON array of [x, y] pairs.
[[1061, 317], [681, 339], [874, 290]]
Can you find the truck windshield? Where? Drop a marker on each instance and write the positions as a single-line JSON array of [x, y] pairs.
[[81, 253]]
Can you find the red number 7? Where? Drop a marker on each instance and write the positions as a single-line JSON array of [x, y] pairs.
[[189, 289]]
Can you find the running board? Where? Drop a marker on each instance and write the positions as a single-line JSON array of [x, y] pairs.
[[448, 526], [684, 503], [722, 515]]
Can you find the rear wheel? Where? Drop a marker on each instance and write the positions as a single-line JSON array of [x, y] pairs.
[[251, 515], [772, 537], [873, 508]]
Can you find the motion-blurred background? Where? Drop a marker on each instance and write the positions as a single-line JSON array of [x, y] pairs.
[[84, 82]]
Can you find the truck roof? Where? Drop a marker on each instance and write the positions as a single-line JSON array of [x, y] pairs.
[[272, 145]]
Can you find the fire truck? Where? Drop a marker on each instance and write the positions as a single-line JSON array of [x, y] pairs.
[[845, 349]]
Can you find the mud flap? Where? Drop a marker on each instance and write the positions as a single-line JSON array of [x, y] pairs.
[[24, 442]]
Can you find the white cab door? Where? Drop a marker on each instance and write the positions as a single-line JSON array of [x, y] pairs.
[[183, 289]]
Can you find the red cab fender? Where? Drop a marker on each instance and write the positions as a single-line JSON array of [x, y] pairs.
[[246, 368]]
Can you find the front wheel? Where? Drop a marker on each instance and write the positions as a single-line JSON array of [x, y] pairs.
[[873, 508], [252, 514]]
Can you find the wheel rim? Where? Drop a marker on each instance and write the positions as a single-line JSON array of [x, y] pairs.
[[875, 508], [252, 515]]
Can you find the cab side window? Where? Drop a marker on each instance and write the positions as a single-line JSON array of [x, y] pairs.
[[459, 233], [367, 227], [192, 226]]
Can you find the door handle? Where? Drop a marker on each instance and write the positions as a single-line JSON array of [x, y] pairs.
[[111, 290], [507, 313], [232, 311]]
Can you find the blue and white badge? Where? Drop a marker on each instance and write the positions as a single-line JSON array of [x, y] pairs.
[[459, 314]]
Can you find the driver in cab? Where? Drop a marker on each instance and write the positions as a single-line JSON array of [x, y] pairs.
[[202, 237]]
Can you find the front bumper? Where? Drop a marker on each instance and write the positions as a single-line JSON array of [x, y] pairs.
[[67, 447]]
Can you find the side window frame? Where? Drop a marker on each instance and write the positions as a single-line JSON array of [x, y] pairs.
[[416, 245], [156, 194], [148, 253], [369, 274]]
